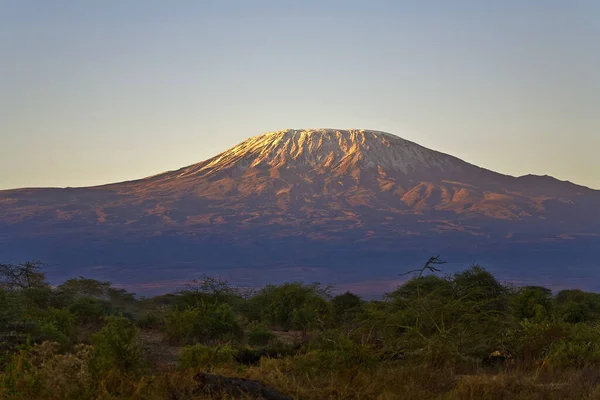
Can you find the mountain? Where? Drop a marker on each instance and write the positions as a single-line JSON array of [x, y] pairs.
[[347, 206]]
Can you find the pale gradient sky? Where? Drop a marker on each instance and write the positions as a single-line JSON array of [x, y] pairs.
[[93, 92]]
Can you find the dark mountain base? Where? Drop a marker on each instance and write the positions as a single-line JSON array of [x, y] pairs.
[[162, 264]]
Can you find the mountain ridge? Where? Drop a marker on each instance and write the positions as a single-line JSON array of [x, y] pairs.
[[309, 131], [301, 191]]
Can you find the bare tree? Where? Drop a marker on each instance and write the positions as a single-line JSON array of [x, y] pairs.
[[429, 266], [22, 276]]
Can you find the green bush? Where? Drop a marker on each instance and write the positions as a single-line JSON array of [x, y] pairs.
[[258, 334], [345, 307], [556, 344], [37, 298], [50, 332], [445, 319], [202, 324], [11, 309], [333, 351], [291, 306], [532, 302], [576, 306], [530, 341], [89, 310], [58, 326], [42, 372], [460, 336], [204, 357], [579, 348], [152, 320], [117, 349], [575, 312]]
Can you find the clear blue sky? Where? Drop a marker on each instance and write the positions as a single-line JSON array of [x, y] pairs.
[[97, 91]]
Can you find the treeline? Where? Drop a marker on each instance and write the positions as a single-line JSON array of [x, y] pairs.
[[459, 336]]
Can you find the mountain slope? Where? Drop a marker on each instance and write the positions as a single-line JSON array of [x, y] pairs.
[[296, 192]]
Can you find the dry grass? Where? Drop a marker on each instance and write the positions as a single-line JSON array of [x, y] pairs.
[[384, 382], [48, 375], [401, 381]]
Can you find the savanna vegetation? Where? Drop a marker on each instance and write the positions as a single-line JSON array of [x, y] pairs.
[[459, 336]]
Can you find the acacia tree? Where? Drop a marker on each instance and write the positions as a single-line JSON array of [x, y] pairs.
[[451, 316], [345, 307], [89, 297], [23, 293], [533, 303], [208, 290], [291, 306], [27, 275]]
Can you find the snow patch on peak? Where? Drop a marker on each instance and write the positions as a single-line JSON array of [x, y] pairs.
[[328, 149]]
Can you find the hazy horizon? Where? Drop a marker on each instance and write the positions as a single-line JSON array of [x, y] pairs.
[[100, 93]]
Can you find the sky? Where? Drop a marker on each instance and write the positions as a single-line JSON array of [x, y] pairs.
[[93, 92]]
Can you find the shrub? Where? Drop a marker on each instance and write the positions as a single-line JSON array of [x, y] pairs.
[[574, 312], [532, 302], [11, 309], [333, 351], [209, 290], [117, 349], [151, 320], [579, 348], [37, 298], [202, 324], [42, 372], [204, 357], [259, 334], [576, 306], [58, 326], [344, 307], [531, 341], [557, 344], [89, 310], [291, 306]]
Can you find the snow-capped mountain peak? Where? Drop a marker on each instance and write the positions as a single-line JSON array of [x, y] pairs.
[[328, 149], [294, 197]]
